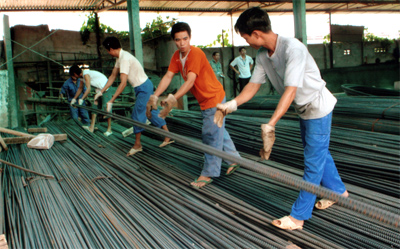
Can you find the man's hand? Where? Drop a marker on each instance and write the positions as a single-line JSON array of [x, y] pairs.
[[151, 105], [167, 103], [268, 137], [99, 94], [80, 101], [109, 106], [223, 110], [73, 101]]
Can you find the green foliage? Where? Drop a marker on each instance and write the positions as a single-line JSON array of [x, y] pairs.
[[219, 41], [157, 28], [89, 26]]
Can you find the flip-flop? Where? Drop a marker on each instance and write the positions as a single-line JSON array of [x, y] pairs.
[[107, 133], [235, 167], [206, 183], [287, 223], [166, 143], [324, 204], [127, 132], [134, 151]]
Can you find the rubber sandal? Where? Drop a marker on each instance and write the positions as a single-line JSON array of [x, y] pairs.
[[324, 204], [127, 132], [166, 143], [287, 224], [235, 167], [107, 133], [206, 183], [134, 151]]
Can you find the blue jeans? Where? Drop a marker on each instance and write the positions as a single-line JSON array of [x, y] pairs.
[[218, 138], [142, 94], [319, 167], [76, 112]]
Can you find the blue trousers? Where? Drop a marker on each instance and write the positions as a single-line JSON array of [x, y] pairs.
[[319, 167], [218, 138], [76, 112], [142, 94]]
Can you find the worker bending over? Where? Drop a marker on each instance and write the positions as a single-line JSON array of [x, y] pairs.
[[201, 81], [98, 81], [295, 75], [131, 70]]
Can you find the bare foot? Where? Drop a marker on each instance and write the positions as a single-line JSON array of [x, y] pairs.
[[200, 183]]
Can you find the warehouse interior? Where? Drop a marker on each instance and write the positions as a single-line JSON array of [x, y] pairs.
[[84, 192]]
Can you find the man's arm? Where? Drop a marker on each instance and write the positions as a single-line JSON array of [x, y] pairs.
[[111, 79], [87, 84], [121, 87], [234, 69], [164, 83], [251, 66], [191, 77], [247, 93], [283, 104]]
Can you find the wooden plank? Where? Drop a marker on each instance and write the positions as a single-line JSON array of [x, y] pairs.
[[3, 143], [37, 129], [24, 140], [16, 133]]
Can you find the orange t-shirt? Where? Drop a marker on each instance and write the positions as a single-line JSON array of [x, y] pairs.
[[206, 89]]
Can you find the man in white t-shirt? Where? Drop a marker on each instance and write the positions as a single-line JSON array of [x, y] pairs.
[[295, 75], [244, 64], [130, 70], [98, 81]]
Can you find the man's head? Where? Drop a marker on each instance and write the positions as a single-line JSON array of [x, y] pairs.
[[216, 56], [112, 45], [75, 72], [242, 51], [251, 24], [181, 34]]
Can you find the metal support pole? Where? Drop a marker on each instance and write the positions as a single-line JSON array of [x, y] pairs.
[[12, 97], [300, 27], [98, 43], [331, 41], [135, 37]]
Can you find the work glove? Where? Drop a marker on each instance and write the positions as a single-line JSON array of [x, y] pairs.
[[223, 110], [80, 101], [151, 105], [268, 137], [99, 94], [109, 106], [167, 103], [73, 101]]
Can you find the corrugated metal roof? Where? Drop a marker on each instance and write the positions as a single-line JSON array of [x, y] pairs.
[[205, 6]]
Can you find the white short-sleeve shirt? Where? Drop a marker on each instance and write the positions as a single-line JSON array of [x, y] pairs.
[[243, 66], [97, 79], [292, 65], [129, 65]]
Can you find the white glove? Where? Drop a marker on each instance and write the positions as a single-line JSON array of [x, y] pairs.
[[167, 103], [80, 101], [73, 101], [151, 105], [109, 106], [223, 110], [99, 94], [268, 137]]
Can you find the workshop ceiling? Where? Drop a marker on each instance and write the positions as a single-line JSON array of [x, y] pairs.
[[205, 7]]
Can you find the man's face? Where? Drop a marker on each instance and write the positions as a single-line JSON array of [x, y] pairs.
[[252, 40], [243, 52], [112, 52], [182, 41], [216, 57]]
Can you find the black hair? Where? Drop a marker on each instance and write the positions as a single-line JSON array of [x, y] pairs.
[[75, 69], [216, 52], [179, 27], [253, 19], [240, 49], [111, 42]]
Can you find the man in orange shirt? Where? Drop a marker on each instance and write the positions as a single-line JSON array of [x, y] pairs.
[[200, 80]]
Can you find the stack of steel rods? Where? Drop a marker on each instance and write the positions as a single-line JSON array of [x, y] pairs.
[[146, 201]]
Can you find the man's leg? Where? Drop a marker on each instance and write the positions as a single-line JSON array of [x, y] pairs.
[[107, 96], [211, 135], [91, 128], [74, 112]]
